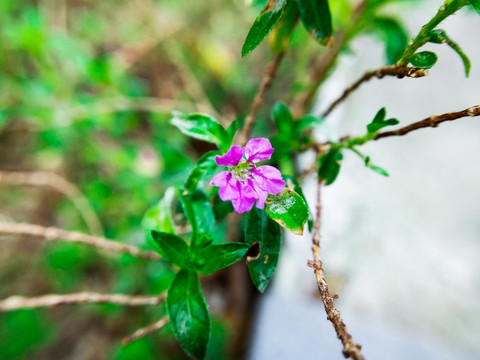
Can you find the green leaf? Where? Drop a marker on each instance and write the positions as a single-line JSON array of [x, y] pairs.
[[283, 119], [159, 217], [200, 216], [424, 59], [188, 313], [219, 256], [205, 168], [172, 247], [263, 24], [329, 166], [393, 35], [308, 122], [475, 4], [265, 238], [316, 18], [379, 121], [231, 131], [202, 127], [221, 208], [375, 168], [282, 32], [289, 210], [439, 36]]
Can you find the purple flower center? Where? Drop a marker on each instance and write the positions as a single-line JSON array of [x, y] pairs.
[[245, 184]]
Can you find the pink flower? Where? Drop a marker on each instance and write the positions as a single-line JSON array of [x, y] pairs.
[[244, 183]]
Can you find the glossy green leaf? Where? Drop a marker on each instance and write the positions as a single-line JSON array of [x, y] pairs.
[[219, 256], [476, 5], [424, 59], [375, 168], [289, 210], [379, 121], [393, 35], [205, 168], [316, 18], [159, 217], [231, 131], [202, 127], [439, 36], [282, 32], [172, 247], [188, 313], [200, 216], [329, 166], [263, 25], [265, 239]]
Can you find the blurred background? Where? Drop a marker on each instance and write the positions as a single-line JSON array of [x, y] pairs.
[[87, 91]]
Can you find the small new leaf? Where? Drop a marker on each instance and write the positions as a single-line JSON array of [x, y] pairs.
[[316, 18], [424, 59], [263, 24], [379, 121], [188, 313], [265, 237], [289, 210], [439, 36], [329, 166], [375, 168], [171, 247], [219, 256]]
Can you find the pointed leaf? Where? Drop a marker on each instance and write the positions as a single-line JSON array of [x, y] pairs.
[[171, 247], [200, 216], [219, 256], [316, 18], [202, 127], [263, 24], [439, 36], [329, 166], [205, 168], [476, 5], [283, 119], [289, 210], [282, 32], [264, 236], [424, 59], [188, 313], [379, 121]]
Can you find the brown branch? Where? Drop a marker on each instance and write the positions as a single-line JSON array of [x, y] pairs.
[[58, 183], [350, 349], [21, 302], [392, 70], [50, 233], [431, 121], [267, 80], [145, 331]]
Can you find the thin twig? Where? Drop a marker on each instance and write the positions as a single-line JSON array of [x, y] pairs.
[[58, 183], [50, 233], [391, 70], [431, 121], [260, 97], [21, 302], [145, 331], [350, 349]]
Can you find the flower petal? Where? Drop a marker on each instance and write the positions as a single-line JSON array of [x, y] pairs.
[[232, 157], [243, 204], [261, 195], [230, 190], [221, 178], [269, 179], [258, 149]]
